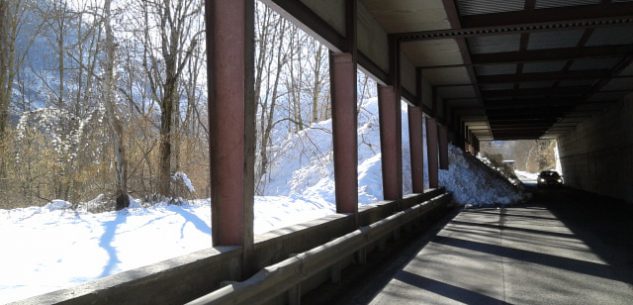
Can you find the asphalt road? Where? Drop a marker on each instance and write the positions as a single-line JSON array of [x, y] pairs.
[[564, 247]]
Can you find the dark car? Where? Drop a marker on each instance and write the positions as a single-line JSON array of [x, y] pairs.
[[549, 178]]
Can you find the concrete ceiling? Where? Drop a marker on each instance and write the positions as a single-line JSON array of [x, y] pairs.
[[433, 52], [398, 16]]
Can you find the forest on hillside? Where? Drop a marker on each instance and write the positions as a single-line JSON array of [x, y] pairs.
[[526, 155], [109, 97]]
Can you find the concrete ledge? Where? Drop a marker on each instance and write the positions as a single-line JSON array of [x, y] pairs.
[[184, 278], [168, 282], [288, 274]]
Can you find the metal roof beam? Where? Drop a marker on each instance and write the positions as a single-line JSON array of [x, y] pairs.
[[576, 90], [552, 54], [547, 76], [558, 14], [537, 103]]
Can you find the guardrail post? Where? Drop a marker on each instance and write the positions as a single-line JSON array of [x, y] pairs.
[[361, 256], [294, 295], [335, 273], [431, 143], [230, 52]]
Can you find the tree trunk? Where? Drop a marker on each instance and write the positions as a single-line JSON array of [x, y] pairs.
[[164, 167], [8, 35], [316, 88], [268, 121], [121, 193]]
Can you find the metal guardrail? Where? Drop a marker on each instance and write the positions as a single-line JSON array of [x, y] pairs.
[[287, 275]]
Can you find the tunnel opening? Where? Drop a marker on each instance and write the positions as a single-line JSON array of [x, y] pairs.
[[522, 159]]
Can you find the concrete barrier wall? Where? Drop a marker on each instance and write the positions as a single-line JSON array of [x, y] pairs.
[[181, 279], [288, 278], [598, 155]]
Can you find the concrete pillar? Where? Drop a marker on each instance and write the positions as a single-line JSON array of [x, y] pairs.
[[415, 144], [230, 53], [443, 143], [390, 142], [432, 149], [344, 127]]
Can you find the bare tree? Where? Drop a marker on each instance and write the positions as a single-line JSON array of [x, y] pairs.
[[177, 42], [271, 58], [11, 12], [319, 79], [174, 23], [121, 193]]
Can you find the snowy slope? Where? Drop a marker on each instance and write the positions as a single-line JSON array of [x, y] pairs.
[[302, 165], [471, 182]]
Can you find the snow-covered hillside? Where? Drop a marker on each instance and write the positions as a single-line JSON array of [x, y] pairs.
[[473, 183], [302, 164], [54, 247]]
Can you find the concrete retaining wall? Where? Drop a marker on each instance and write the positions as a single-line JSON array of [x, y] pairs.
[[598, 155]]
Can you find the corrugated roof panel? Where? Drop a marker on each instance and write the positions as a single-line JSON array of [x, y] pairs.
[[560, 3], [627, 71], [464, 103], [496, 69], [457, 92], [456, 75], [555, 39], [500, 86], [616, 35], [619, 84], [539, 84], [545, 66], [576, 82], [496, 98], [494, 44], [606, 96], [479, 7], [593, 63]]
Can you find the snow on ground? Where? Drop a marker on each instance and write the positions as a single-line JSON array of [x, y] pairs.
[[473, 183], [54, 247], [526, 176]]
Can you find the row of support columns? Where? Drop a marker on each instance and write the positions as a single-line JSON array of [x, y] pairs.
[[230, 51]]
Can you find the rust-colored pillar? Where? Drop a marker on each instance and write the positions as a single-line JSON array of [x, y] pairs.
[[431, 142], [230, 54], [390, 142], [415, 145], [344, 127], [443, 142]]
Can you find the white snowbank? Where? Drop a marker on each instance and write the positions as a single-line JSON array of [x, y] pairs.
[[302, 164], [473, 183], [57, 205], [526, 176], [181, 177], [53, 247]]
